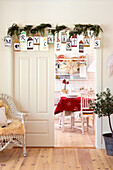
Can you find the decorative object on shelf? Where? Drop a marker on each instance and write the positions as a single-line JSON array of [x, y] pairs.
[[74, 41], [65, 83], [68, 45], [82, 57], [86, 41], [63, 37], [75, 59], [22, 37], [57, 77], [58, 45], [97, 43], [7, 40], [81, 46], [110, 65], [91, 90], [60, 57], [84, 89], [81, 88], [62, 67], [43, 44], [36, 39], [30, 43], [50, 38], [71, 67], [16, 45]]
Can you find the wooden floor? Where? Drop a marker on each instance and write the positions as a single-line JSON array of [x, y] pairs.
[[70, 138], [55, 159]]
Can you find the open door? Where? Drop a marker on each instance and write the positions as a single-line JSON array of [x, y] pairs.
[[33, 93]]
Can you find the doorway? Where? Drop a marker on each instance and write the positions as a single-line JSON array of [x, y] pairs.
[[74, 138], [24, 60]]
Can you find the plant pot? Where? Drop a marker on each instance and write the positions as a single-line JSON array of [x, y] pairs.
[[108, 143]]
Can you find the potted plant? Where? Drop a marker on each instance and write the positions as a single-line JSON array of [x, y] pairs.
[[103, 106]]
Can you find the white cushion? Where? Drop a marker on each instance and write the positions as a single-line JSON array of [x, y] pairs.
[[3, 118]]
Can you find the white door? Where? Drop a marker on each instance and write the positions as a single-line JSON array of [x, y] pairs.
[[33, 93]]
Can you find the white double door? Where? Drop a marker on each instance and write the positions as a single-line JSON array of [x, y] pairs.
[[33, 93]]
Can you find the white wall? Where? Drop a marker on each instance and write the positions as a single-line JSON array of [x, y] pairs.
[[55, 12]]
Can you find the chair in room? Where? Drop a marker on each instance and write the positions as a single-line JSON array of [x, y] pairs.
[[85, 113], [12, 130], [57, 95], [60, 116]]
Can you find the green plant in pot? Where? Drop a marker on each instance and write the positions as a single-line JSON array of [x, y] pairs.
[[103, 106]]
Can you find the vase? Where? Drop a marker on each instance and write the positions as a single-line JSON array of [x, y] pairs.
[[65, 91]]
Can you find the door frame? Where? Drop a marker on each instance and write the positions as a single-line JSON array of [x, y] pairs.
[[99, 88], [98, 121], [99, 79]]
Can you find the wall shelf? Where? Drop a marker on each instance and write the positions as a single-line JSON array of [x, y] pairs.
[[69, 68]]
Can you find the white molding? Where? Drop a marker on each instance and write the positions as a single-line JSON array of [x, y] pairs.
[[99, 79]]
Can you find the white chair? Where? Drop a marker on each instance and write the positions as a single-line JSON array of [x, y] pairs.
[[57, 95], [13, 133], [85, 113]]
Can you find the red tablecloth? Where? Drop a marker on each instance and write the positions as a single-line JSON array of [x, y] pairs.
[[68, 104]]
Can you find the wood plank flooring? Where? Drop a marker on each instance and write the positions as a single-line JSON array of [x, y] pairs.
[[55, 159], [70, 138]]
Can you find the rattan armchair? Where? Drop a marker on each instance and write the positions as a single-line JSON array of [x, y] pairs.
[[14, 133]]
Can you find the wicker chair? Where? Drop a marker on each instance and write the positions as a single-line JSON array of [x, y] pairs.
[[8, 136]]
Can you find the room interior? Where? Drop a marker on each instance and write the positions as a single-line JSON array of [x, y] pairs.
[[78, 83], [34, 93]]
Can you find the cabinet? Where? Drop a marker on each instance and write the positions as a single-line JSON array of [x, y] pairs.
[[72, 68]]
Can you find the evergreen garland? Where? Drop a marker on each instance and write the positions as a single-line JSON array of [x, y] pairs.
[[83, 29], [27, 29], [79, 29], [13, 30], [40, 28], [59, 28]]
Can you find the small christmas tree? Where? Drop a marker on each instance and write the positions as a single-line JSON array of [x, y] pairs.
[[103, 105]]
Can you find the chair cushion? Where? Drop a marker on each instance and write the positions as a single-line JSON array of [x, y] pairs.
[[88, 110], [14, 128], [2, 104], [3, 118]]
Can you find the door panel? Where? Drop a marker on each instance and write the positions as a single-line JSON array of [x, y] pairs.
[[24, 84], [34, 127], [33, 89], [42, 85]]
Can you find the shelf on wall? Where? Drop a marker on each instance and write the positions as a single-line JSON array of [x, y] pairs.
[[71, 59], [72, 79], [69, 77]]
